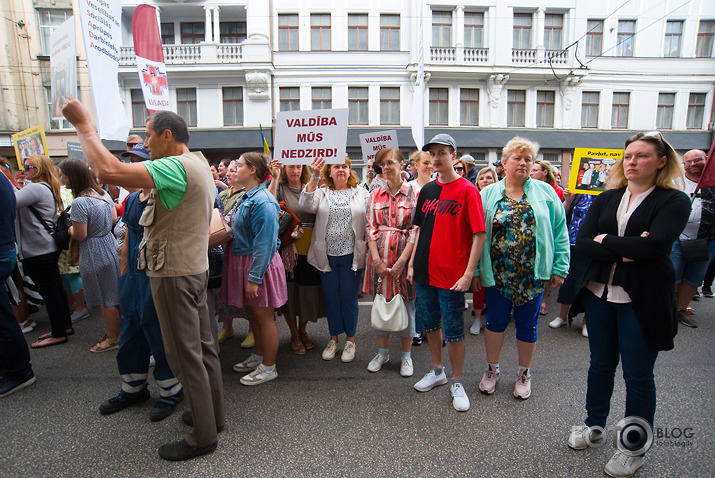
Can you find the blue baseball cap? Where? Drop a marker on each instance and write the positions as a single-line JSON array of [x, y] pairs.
[[137, 150]]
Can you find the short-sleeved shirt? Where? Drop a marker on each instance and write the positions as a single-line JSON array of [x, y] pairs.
[[170, 179], [448, 216]]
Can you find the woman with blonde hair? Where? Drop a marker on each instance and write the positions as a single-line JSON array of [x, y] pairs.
[[628, 299], [423, 169], [338, 247], [38, 203]]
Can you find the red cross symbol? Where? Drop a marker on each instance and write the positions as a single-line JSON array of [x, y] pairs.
[[155, 79]]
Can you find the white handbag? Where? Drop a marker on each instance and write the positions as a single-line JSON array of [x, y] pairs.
[[389, 316]]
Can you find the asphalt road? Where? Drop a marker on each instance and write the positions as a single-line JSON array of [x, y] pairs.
[[334, 419]]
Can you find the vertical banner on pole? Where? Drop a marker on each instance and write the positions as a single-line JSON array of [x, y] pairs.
[[150, 59], [100, 21], [418, 94]]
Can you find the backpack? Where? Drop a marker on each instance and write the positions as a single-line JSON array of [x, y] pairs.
[[60, 230]]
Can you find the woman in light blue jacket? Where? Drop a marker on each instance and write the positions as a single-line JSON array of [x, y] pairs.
[[527, 249]]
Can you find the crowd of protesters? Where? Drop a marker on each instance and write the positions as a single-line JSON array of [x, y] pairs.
[[307, 240]]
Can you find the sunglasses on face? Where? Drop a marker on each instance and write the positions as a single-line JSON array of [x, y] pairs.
[[27, 166], [459, 169], [131, 145]]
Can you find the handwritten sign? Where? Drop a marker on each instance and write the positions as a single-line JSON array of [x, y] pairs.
[[371, 143], [302, 136], [590, 168]]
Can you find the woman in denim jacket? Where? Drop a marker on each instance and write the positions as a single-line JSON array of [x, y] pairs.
[[254, 277]]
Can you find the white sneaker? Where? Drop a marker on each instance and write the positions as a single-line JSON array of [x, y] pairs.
[[152, 361], [584, 331], [621, 465], [259, 376], [247, 365], [557, 322], [522, 387], [79, 315], [430, 381], [476, 326], [377, 362], [348, 352], [460, 401], [582, 437], [330, 350], [406, 368]]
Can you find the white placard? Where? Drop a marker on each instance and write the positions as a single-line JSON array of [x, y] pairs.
[[100, 20], [63, 66], [371, 143], [155, 86], [302, 136]]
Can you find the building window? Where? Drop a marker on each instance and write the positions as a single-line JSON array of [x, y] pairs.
[[553, 26], [320, 32], [232, 106], [545, 109], [673, 34], [60, 123], [522, 31], [624, 41], [469, 107], [438, 106], [704, 46], [186, 105], [139, 112], [473, 29], [390, 32], [288, 32], [664, 117], [322, 98], [232, 32], [589, 109], [619, 110], [389, 105], [594, 37], [357, 105], [192, 33], [289, 98], [49, 20], [696, 110], [167, 34], [357, 32], [516, 105], [442, 28]]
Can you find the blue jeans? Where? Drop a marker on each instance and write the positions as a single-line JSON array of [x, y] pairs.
[[14, 354], [691, 273], [613, 331], [341, 287], [435, 306]]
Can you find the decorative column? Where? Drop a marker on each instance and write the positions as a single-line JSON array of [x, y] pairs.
[[217, 26], [207, 25], [567, 89], [539, 22], [459, 34]]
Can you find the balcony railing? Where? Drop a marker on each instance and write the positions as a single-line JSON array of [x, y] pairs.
[[453, 55], [187, 54], [440, 54], [476, 55], [556, 57], [523, 56]]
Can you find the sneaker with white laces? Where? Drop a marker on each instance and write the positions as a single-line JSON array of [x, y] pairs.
[[476, 326], [522, 387], [489, 381], [377, 362], [621, 465], [259, 376], [330, 350], [460, 401], [430, 381], [582, 437], [406, 368], [247, 365], [348, 352], [557, 322]]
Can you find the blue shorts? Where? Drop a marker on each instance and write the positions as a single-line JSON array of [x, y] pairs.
[[436, 307], [692, 273], [526, 316]]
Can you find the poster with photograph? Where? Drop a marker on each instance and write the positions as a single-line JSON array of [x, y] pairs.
[[29, 142], [63, 66], [590, 168]]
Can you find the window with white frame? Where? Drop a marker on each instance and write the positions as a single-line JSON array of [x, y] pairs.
[[545, 109], [619, 110], [673, 36], [473, 29], [357, 105], [522, 31], [469, 107], [553, 28], [438, 106], [589, 109], [322, 97], [696, 111], [389, 32], [664, 116], [516, 107], [442, 28], [389, 105], [48, 21], [288, 32], [320, 32], [232, 105], [594, 37], [704, 43], [357, 32], [186, 105], [624, 40], [289, 98]]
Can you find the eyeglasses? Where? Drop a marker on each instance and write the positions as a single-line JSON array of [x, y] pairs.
[[695, 160], [459, 169], [131, 145], [653, 134], [27, 166]]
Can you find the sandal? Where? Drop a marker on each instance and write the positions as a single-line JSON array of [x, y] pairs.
[[297, 346], [306, 340], [543, 310], [49, 342], [105, 346], [68, 332]]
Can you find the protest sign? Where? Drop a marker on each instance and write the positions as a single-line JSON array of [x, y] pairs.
[[302, 136], [63, 66], [371, 143], [74, 150], [102, 35], [589, 169], [29, 142]]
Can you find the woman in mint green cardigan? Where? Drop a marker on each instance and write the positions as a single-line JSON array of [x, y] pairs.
[[527, 249]]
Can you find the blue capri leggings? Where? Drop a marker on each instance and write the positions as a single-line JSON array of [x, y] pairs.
[[526, 316]]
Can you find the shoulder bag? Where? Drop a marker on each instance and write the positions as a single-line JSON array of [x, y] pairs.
[[388, 316]]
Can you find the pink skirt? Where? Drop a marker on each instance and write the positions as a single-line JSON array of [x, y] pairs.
[[271, 293]]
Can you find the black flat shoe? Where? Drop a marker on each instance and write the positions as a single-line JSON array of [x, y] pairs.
[[180, 451]]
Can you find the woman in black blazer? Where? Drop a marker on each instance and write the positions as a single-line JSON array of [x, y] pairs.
[[629, 291]]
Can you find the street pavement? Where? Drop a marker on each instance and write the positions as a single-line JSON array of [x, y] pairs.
[[323, 418]]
